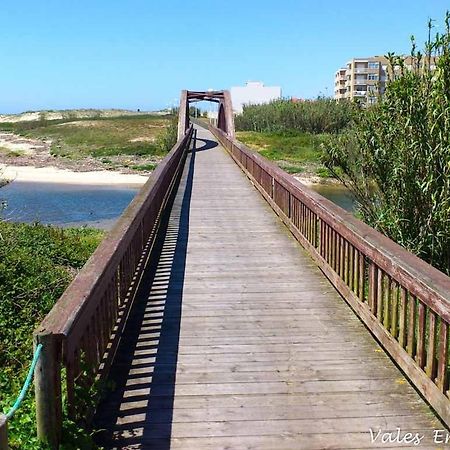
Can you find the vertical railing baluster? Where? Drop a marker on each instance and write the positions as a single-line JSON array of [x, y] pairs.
[[442, 376], [346, 262], [322, 250], [48, 392], [373, 287], [394, 303], [362, 276], [431, 347], [420, 349], [411, 324], [329, 246], [380, 295], [403, 317], [3, 432], [387, 302], [351, 266]]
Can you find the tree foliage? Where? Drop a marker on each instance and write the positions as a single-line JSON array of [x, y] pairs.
[[395, 157]]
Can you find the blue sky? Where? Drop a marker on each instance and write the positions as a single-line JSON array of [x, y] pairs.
[[57, 54]]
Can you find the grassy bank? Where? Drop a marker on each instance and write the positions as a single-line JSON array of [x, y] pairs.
[[36, 265], [294, 152], [131, 142], [291, 133]]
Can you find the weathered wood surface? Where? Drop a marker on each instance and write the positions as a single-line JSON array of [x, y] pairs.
[[3, 432], [237, 340]]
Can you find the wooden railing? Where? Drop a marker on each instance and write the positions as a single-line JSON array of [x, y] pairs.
[[81, 332], [402, 300]]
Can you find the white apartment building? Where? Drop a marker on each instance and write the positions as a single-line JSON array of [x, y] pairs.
[[362, 79], [253, 93]]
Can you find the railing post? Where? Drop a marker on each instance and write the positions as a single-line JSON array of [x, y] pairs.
[[3, 432], [47, 380]]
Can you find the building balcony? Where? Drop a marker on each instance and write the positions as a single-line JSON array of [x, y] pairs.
[[359, 93], [366, 70]]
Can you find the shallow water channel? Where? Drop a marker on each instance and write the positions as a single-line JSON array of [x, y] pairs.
[[65, 204], [337, 194], [94, 206]]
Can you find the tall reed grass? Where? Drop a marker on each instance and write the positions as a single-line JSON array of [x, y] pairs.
[[322, 115]]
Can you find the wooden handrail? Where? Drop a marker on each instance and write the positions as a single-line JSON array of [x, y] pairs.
[[83, 328], [404, 301], [423, 278]]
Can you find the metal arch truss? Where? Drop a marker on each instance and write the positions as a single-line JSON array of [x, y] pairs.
[[225, 120]]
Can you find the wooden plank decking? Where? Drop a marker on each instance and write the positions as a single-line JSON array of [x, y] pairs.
[[237, 340]]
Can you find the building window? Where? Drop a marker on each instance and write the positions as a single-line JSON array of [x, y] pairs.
[[374, 65], [373, 76]]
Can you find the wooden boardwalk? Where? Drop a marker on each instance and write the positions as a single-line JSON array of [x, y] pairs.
[[238, 341]]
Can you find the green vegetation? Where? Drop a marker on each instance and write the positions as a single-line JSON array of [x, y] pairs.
[[38, 262], [9, 153], [144, 167], [393, 156], [323, 172], [129, 135], [293, 151], [396, 157], [291, 133], [36, 265], [142, 140], [169, 137], [323, 115]]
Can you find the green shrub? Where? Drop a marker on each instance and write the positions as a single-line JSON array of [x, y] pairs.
[[144, 167], [396, 157], [36, 265], [169, 137]]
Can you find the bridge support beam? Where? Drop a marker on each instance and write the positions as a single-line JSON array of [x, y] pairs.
[[183, 115], [225, 118], [47, 381], [3, 432], [228, 113]]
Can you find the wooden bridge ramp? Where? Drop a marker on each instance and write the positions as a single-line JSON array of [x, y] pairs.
[[237, 340]]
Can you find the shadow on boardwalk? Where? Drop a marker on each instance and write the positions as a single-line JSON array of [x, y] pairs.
[[140, 409], [267, 356]]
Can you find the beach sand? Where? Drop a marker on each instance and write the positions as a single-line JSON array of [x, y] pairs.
[[55, 175]]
